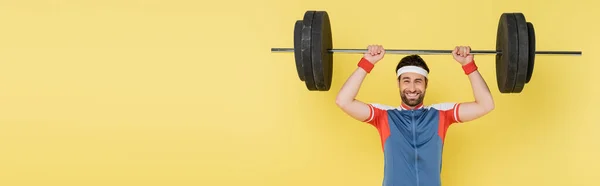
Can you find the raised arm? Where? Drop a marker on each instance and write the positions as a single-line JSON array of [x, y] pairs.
[[346, 98], [483, 103]]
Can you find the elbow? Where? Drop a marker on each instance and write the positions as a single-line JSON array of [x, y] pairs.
[[486, 106], [340, 103], [489, 107]]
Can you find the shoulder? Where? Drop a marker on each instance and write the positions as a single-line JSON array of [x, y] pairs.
[[377, 113], [443, 106]]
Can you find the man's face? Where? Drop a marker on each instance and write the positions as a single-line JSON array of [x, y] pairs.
[[412, 88]]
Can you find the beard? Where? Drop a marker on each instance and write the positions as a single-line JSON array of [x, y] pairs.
[[413, 101]]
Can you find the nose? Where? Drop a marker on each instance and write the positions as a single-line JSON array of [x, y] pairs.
[[411, 87]]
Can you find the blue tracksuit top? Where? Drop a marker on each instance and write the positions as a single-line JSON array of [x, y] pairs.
[[412, 141]]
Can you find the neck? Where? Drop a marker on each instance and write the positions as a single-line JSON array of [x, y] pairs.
[[407, 107]]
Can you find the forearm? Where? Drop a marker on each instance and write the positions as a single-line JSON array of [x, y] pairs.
[[481, 91], [351, 87]]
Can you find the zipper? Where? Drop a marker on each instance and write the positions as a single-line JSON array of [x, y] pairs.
[[412, 112]]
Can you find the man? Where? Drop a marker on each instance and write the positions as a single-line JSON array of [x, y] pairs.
[[412, 135]]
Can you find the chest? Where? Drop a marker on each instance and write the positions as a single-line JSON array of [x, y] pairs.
[[414, 126]]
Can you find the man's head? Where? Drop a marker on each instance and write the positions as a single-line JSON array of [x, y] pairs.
[[412, 79]]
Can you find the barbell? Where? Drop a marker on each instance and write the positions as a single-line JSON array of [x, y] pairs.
[[515, 51]]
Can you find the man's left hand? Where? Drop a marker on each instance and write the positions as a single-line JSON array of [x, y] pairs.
[[462, 54]]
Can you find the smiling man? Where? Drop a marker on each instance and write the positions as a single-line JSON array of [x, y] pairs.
[[412, 135]]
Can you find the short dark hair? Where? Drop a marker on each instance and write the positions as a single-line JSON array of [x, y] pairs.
[[412, 60]]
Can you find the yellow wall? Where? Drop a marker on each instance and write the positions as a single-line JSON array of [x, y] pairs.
[[185, 92]]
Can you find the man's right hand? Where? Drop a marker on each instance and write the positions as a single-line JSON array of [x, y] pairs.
[[374, 53]]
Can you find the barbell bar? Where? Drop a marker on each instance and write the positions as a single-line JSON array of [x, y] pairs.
[[515, 51], [430, 52]]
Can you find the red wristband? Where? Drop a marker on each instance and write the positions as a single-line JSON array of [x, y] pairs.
[[366, 65], [469, 67]]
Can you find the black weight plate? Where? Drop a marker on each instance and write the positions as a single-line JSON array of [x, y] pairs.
[[531, 51], [523, 55], [506, 62], [321, 58], [306, 46], [298, 49]]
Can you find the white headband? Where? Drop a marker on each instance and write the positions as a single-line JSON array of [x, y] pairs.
[[414, 69]]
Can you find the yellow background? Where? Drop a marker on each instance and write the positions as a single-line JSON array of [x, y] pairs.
[[183, 92]]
